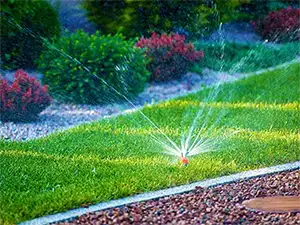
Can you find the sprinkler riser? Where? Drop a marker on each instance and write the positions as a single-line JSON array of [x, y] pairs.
[[184, 161]]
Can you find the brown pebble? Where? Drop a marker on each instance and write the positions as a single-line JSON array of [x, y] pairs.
[[216, 205]]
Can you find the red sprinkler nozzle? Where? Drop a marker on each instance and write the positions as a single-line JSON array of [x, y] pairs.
[[184, 160]]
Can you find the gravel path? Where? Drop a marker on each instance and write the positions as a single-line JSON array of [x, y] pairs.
[[218, 205]]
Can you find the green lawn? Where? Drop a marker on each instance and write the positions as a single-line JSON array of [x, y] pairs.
[[243, 58], [116, 157]]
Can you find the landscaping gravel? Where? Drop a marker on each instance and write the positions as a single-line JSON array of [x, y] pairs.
[[62, 116], [216, 205]]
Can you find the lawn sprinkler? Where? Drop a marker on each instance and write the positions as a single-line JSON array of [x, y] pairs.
[[184, 160]]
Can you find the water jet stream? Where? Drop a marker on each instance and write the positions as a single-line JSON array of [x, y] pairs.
[[190, 143], [50, 46]]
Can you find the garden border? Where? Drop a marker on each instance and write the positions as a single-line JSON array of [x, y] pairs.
[[20, 130], [71, 214]]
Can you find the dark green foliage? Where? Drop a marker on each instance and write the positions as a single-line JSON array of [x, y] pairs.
[[84, 68], [233, 57], [23, 25], [257, 9], [197, 17], [227, 11], [246, 10], [141, 17]]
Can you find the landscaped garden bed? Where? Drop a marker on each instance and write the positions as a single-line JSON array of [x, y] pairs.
[[214, 70], [146, 102], [215, 205], [60, 116]]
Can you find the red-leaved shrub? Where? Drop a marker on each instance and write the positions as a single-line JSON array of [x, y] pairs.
[[282, 25], [24, 99], [170, 56]]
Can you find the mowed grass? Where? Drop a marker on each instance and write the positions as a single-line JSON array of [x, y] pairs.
[[116, 157], [244, 58]]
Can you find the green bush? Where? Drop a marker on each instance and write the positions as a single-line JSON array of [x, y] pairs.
[[23, 25], [83, 68], [142, 17]]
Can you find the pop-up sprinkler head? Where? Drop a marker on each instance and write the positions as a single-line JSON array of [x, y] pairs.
[[184, 160]]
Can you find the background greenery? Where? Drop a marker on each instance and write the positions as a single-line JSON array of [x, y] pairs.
[[257, 9], [23, 25], [197, 18], [138, 18]]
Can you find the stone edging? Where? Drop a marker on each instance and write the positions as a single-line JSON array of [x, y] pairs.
[[68, 215]]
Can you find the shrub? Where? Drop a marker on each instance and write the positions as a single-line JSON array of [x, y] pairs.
[[170, 56], [84, 68], [24, 99], [23, 25], [282, 25], [141, 18]]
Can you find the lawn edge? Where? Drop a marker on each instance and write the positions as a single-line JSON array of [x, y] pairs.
[[140, 107], [271, 68], [70, 214]]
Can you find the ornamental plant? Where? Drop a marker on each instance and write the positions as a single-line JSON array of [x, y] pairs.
[[93, 69], [24, 99], [280, 26], [170, 57]]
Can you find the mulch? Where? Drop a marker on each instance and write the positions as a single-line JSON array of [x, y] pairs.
[[215, 205]]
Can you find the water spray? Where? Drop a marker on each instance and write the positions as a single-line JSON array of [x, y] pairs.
[[190, 145]]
